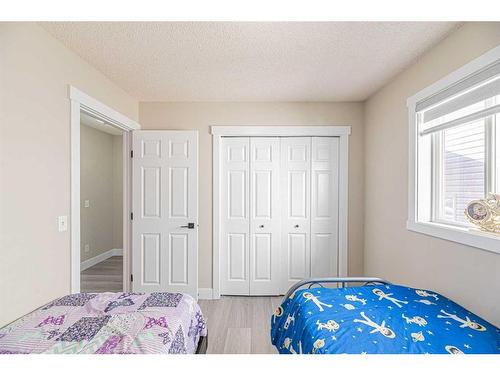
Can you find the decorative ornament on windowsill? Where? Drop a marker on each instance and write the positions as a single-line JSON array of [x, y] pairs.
[[485, 213]]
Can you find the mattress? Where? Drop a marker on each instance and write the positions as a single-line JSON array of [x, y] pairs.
[[108, 323], [389, 319]]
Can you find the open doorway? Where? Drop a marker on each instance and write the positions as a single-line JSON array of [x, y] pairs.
[[101, 206], [83, 105]]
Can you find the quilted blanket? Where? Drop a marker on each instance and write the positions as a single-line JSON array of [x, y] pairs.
[[108, 323]]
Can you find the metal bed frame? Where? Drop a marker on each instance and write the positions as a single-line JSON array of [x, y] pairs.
[[202, 345], [339, 280]]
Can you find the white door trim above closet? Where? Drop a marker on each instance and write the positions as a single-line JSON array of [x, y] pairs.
[[280, 131], [218, 132]]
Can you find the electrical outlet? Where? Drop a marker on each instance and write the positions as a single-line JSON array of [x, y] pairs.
[[87, 248], [86, 203], [62, 223]]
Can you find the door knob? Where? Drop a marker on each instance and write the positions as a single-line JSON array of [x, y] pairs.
[[296, 226], [261, 226], [189, 226]]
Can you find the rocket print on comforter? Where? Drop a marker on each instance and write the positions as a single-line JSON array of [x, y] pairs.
[[108, 323], [388, 319]]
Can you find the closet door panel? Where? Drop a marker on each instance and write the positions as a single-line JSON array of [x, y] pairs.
[[237, 193], [262, 193], [298, 193], [262, 257], [234, 262], [324, 206], [323, 260], [236, 245], [295, 209], [265, 241], [297, 255]]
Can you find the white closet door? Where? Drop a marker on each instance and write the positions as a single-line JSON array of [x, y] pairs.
[[165, 201], [296, 219], [265, 216], [324, 206], [234, 263]]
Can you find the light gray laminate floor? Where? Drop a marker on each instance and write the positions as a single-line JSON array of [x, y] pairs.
[[239, 325], [105, 276]]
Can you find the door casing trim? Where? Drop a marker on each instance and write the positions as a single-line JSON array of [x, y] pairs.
[[80, 101]]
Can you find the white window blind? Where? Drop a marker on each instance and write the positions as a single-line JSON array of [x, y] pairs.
[[470, 99]]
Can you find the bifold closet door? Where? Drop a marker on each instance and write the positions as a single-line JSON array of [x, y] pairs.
[[296, 209], [251, 216], [324, 206], [309, 192], [265, 216], [235, 220], [279, 212]]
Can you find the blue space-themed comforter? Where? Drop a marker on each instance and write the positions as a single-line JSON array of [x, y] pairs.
[[389, 319]]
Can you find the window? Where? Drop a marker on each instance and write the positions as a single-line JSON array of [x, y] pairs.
[[455, 151], [463, 168]]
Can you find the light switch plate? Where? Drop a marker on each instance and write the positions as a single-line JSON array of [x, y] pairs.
[[87, 248], [62, 222], [86, 203]]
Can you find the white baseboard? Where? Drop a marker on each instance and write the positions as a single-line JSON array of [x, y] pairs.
[[99, 258], [205, 293]]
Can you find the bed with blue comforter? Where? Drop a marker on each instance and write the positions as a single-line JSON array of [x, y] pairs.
[[388, 319]]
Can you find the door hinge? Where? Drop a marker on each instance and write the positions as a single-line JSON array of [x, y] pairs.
[[131, 278], [131, 153], [131, 216]]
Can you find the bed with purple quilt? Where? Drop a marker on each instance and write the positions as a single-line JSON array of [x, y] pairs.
[[110, 323]]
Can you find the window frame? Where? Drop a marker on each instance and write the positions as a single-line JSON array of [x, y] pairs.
[[420, 215]]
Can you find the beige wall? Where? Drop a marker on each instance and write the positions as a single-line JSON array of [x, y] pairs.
[[468, 275], [100, 183], [35, 71], [201, 116]]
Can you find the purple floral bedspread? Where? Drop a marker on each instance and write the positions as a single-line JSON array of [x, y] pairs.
[[108, 323]]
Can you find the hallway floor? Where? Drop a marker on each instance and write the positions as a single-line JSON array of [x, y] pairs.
[[106, 276]]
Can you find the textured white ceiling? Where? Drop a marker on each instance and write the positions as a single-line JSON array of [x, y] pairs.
[[254, 61]]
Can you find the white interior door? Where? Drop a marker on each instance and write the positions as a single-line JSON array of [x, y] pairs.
[[165, 211], [296, 208], [324, 206], [235, 216], [265, 216]]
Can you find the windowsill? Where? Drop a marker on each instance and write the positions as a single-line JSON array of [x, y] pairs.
[[471, 237]]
